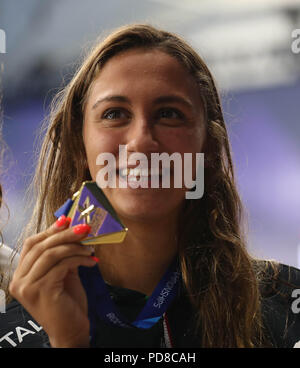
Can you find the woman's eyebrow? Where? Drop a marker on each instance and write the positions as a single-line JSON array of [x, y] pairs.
[[115, 98], [174, 98], [158, 100]]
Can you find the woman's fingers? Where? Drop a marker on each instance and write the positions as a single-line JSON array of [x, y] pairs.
[[65, 266], [52, 256], [61, 224], [55, 237], [49, 277]]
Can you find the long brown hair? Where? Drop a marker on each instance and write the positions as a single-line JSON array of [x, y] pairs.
[[218, 273]]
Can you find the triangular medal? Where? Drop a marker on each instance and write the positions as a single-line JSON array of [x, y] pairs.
[[91, 206]]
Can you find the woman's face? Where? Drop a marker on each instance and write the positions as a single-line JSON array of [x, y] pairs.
[[146, 101]]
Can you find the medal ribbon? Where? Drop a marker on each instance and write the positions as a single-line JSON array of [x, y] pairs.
[[100, 303]]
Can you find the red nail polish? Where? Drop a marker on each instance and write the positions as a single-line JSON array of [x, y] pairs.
[[69, 220], [96, 259], [61, 221], [81, 229]]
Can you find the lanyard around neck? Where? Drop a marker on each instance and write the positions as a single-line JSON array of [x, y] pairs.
[[102, 306]]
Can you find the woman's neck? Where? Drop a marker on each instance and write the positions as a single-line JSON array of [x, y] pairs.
[[141, 260]]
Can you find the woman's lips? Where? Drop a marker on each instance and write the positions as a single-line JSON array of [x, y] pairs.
[[139, 172], [140, 176]]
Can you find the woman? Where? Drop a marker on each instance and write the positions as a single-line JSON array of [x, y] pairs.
[[147, 90]]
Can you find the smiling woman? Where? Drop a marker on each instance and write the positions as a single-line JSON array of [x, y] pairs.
[[148, 90], [148, 120]]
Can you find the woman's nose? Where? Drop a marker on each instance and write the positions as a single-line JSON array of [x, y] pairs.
[[141, 137]]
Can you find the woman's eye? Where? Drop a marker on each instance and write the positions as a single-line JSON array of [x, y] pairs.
[[171, 116], [169, 113], [114, 114]]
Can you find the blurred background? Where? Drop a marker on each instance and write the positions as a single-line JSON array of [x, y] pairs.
[[246, 44]]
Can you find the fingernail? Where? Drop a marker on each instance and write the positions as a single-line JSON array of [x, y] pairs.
[[61, 221], [81, 229], [69, 220], [96, 259]]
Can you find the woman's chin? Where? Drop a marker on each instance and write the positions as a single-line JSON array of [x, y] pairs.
[[145, 205], [143, 211]]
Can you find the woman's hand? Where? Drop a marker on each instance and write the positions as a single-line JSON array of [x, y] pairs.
[[47, 284]]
